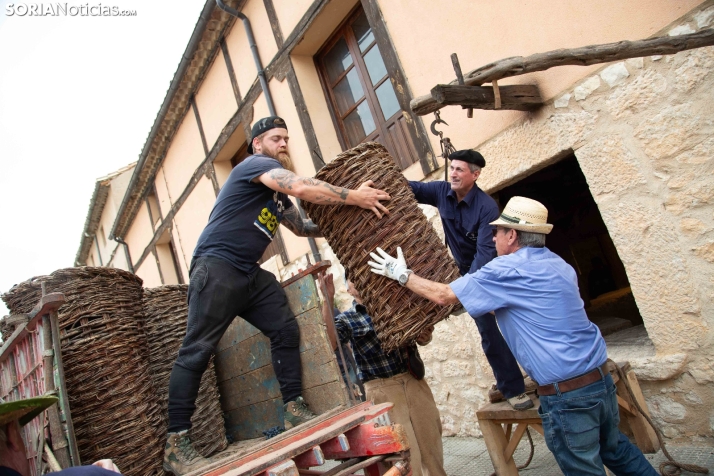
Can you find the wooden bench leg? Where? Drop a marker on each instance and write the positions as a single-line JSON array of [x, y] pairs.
[[645, 436], [495, 438]]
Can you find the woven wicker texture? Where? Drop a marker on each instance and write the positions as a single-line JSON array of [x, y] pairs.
[[105, 353], [166, 312], [398, 314]]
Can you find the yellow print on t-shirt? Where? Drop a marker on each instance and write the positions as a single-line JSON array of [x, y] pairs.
[[270, 216]]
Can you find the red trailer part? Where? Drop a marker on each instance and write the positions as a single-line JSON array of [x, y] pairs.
[[360, 437]]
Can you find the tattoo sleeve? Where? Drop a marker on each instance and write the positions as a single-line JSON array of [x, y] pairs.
[[325, 193], [301, 227]]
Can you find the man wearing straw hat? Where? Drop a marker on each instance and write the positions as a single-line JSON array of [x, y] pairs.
[[466, 212], [226, 280], [13, 456], [535, 296]]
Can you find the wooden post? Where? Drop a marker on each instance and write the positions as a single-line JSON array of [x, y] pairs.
[[645, 436], [73, 449], [496, 442], [59, 442]]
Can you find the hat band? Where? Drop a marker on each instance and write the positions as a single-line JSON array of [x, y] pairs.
[[511, 219]]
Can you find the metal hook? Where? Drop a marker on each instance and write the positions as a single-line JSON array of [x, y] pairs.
[[438, 120]]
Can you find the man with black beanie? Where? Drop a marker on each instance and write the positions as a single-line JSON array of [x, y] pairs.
[[226, 281], [466, 212]]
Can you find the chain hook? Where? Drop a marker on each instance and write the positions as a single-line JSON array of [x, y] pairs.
[[437, 120]]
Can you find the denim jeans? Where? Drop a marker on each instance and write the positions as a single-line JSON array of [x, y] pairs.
[[509, 379], [217, 293], [580, 429]]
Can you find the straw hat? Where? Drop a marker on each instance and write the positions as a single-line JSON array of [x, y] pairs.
[[24, 410], [524, 214]]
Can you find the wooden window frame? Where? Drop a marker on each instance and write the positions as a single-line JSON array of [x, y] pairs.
[[415, 127]]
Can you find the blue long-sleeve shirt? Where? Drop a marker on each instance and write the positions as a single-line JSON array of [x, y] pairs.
[[466, 223], [539, 311]]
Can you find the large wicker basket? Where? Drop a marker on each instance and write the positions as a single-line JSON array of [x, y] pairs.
[[166, 313], [111, 397], [398, 314]]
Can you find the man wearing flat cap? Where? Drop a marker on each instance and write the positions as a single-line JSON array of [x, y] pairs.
[[535, 296], [226, 281], [13, 454], [466, 212]]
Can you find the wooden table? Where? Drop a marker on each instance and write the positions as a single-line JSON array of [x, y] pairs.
[[503, 427]]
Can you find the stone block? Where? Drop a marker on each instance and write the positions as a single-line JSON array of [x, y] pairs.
[[674, 129], [692, 226], [648, 244], [609, 166], [702, 370], [587, 88], [681, 30], [614, 73], [635, 63], [666, 409], [706, 251], [562, 101], [528, 144], [701, 154], [697, 65], [704, 18], [661, 367], [637, 95]]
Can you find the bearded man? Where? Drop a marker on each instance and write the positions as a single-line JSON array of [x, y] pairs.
[[226, 281]]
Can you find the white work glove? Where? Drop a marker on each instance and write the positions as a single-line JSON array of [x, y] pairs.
[[387, 265]]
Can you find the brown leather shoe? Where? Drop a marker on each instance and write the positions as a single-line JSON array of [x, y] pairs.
[[180, 457]]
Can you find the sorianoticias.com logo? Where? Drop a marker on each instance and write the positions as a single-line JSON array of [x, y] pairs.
[[65, 10]]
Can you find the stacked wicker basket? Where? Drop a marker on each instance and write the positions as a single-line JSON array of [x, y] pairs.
[[166, 311], [398, 314], [118, 350], [104, 347]]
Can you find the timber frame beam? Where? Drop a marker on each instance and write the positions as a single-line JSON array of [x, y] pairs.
[[584, 56]]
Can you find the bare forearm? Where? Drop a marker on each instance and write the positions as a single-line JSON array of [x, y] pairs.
[[310, 189], [435, 292]]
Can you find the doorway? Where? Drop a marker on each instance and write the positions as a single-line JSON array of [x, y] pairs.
[[581, 238]]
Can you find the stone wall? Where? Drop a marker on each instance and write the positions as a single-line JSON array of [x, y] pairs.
[[642, 132]]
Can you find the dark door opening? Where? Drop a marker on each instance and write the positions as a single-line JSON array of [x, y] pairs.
[[581, 238]]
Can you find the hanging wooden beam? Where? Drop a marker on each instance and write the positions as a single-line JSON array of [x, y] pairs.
[[584, 56], [524, 97]]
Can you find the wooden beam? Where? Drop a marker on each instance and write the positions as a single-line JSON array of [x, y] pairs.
[[583, 56], [524, 97]]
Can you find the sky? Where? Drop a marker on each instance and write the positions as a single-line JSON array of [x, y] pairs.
[[78, 97]]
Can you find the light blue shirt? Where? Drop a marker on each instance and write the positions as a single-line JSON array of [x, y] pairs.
[[539, 311]]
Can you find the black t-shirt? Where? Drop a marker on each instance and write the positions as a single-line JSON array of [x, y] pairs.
[[245, 217]]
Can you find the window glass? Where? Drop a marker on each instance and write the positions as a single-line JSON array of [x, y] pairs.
[[363, 32], [338, 60], [375, 65], [348, 91], [387, 99], [359, 124]]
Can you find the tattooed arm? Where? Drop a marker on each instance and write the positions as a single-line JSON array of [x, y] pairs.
[[323, 193], [301, 227]]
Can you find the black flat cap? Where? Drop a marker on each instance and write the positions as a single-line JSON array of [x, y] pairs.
[[264, 125], [470, 156]]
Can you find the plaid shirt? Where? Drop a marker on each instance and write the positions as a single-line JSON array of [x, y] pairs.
[[354, 325]]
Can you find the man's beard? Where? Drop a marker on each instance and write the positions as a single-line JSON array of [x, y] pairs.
[[285, 161]]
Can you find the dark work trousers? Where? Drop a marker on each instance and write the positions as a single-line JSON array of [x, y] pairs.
[[217, 293], [509, 379]]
